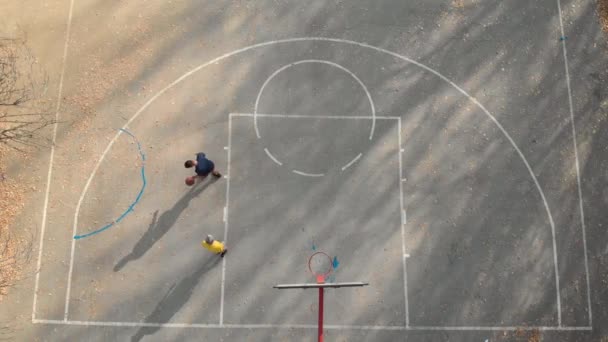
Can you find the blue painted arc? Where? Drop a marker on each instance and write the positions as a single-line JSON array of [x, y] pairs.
[[132, 205]]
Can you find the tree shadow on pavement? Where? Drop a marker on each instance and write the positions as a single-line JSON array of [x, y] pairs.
[[174, 299], [160, 227]]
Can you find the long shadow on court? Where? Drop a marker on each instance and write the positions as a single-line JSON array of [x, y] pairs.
[[175, 298], [160, 227]]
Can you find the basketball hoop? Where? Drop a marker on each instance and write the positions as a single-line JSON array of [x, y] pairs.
[[320, 265]]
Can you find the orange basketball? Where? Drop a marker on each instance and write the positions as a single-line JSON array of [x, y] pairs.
[[189, 181]]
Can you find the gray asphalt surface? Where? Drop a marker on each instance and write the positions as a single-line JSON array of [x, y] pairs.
[[470, 170]]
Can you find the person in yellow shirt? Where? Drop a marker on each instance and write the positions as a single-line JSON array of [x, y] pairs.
[[214, 246]]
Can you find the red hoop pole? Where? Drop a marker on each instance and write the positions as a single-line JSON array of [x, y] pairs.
[[320, 280], [321, 286], [320, 325]]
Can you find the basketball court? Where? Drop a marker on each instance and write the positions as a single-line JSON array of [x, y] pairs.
[[405, 173]]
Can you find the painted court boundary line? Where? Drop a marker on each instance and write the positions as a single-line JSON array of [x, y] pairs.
[[223, 283], [319, 61], [301, 173], [301, 326], [401, 213], [576, 162], [372, 118], [75, 227], [326, 40], [336, 65], [274, 159], [299, 116], [284, 116], [400, 150], [51, 158], [352, 162], [134, 203]]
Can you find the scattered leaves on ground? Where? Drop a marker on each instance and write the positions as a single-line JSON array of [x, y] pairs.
[[602, 8]]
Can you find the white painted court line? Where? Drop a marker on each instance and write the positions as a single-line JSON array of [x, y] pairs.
[[126, 324], [301, 326], [272, 157], [308, 174], [217, 326], [75, 229], [300, 116], [320, 61], [52, 157], [333, 40], [407, 304], [401, 204], [328, 40], [576, 162], [69, 286], [482, 328], [352, 162], [296, 116], [226, 220]]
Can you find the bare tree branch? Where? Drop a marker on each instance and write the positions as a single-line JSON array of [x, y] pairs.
[[23, 84]]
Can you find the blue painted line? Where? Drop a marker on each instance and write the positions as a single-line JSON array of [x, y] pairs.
[[130, 208], [335, 263]]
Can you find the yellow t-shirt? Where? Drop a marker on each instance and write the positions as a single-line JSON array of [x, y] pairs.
[[215, 246]]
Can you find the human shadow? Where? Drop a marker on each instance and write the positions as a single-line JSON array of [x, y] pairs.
[[174, 299], [160, 227]]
